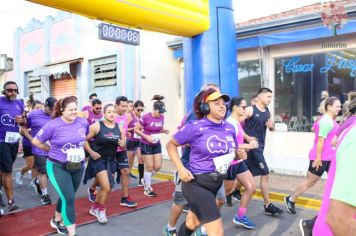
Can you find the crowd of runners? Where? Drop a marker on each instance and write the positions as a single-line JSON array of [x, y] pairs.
[[222, 142]]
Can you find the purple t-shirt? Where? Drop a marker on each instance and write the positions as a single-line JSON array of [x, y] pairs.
[[132, 124], [86, 108], [8, 112], [151, 125], [207, 140], [92, 117], [35, 121], [62, 136]]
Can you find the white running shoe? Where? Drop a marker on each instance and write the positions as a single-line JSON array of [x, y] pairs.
[[101, 215], [19, 178]]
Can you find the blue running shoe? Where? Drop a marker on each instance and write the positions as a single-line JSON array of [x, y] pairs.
[[167, 232], [244, 221], [198, 232]]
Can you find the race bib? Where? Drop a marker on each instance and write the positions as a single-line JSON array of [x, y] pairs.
[[75, 154], [12, 137], [136, 136], [156, 138], [222, 163]]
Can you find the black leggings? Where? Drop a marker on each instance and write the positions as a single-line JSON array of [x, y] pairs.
[[66, 183]]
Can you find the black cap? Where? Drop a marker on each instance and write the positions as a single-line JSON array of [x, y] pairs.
[[160, 107], [50, 101]]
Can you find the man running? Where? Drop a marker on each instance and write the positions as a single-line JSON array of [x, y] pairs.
[[259, 119], [11, 115], [91, 98]]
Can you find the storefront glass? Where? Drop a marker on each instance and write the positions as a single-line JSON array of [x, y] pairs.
[[300, 80]]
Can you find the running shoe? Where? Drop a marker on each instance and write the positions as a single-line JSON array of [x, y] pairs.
[[19, 179], [38, 187], [140, 184], [59, 226], [29, 176], [12, 206], [272, 210], [167, 232], [2, 203], [1, 212], [186, 208], [244, 221], [100, 215], [198, 232], [133, 176], [32, 185], [290, 205], [128, 202], [45, 200], [149, 192], [236, 195], [305, 228], [91, 195], [229, 200]]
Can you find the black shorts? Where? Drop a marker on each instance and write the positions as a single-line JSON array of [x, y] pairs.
[[256, 162], [235, 170], [8, 154], [325, 167], [98, 165], [40, 163], [151, 149], [27, 151], [200, 193], [132, 145], [122, 161]]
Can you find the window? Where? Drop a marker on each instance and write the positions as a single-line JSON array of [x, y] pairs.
[[34, 85], [103, 72], [300, 80], [249, 74]]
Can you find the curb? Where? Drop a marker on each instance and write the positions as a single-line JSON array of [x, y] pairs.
[[309, 203]]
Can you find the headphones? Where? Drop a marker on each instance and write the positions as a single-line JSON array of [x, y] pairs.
[[204, 107]]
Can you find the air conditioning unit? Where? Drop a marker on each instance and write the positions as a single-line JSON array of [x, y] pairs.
[[3, 62]]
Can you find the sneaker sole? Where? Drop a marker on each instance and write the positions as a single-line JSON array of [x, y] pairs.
[[92, 213], [127, 205], [150, 195], [286, 204], [55, 227], [89, 197], [274, 214], [13, 209], [301, 227], [242, 224], [236, 199]]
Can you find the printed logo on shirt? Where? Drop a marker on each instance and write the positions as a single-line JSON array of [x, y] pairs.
[[18, 107], [67, 146], [40, 132], [216, 145], [7, 120], [156, 124], [81, 132]]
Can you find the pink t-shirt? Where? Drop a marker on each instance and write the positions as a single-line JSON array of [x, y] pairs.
[[325, 127], [151, 125], [123, 124]]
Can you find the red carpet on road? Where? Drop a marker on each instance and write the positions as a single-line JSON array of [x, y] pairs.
[[35, 221]]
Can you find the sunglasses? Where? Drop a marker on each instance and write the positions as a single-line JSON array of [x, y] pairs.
[[140, 110], [243, 107], [12, 90]]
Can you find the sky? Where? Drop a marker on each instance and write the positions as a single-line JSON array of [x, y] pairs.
[[18, 13]]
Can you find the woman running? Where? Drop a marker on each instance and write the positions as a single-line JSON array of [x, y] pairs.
[[27, 152], [322, 152], [150, 127], [133, 141], [66, 134], [240, 170], [210, 139], [106, 136]]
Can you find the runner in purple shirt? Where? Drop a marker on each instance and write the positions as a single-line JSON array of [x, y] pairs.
[[150, 127], [94, 114], [35, 121], [213, 147], [134, 140], [91, 98], [63, 138], [11, 116]]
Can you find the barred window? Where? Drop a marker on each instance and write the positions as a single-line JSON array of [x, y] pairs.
[[103, 72]]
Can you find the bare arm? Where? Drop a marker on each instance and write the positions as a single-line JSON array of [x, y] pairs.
[[172, 150], [93, 131], [24, 132], [319, 149], [138, 130], [40, 145]]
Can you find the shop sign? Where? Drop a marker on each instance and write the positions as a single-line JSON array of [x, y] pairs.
[[293, 66]]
